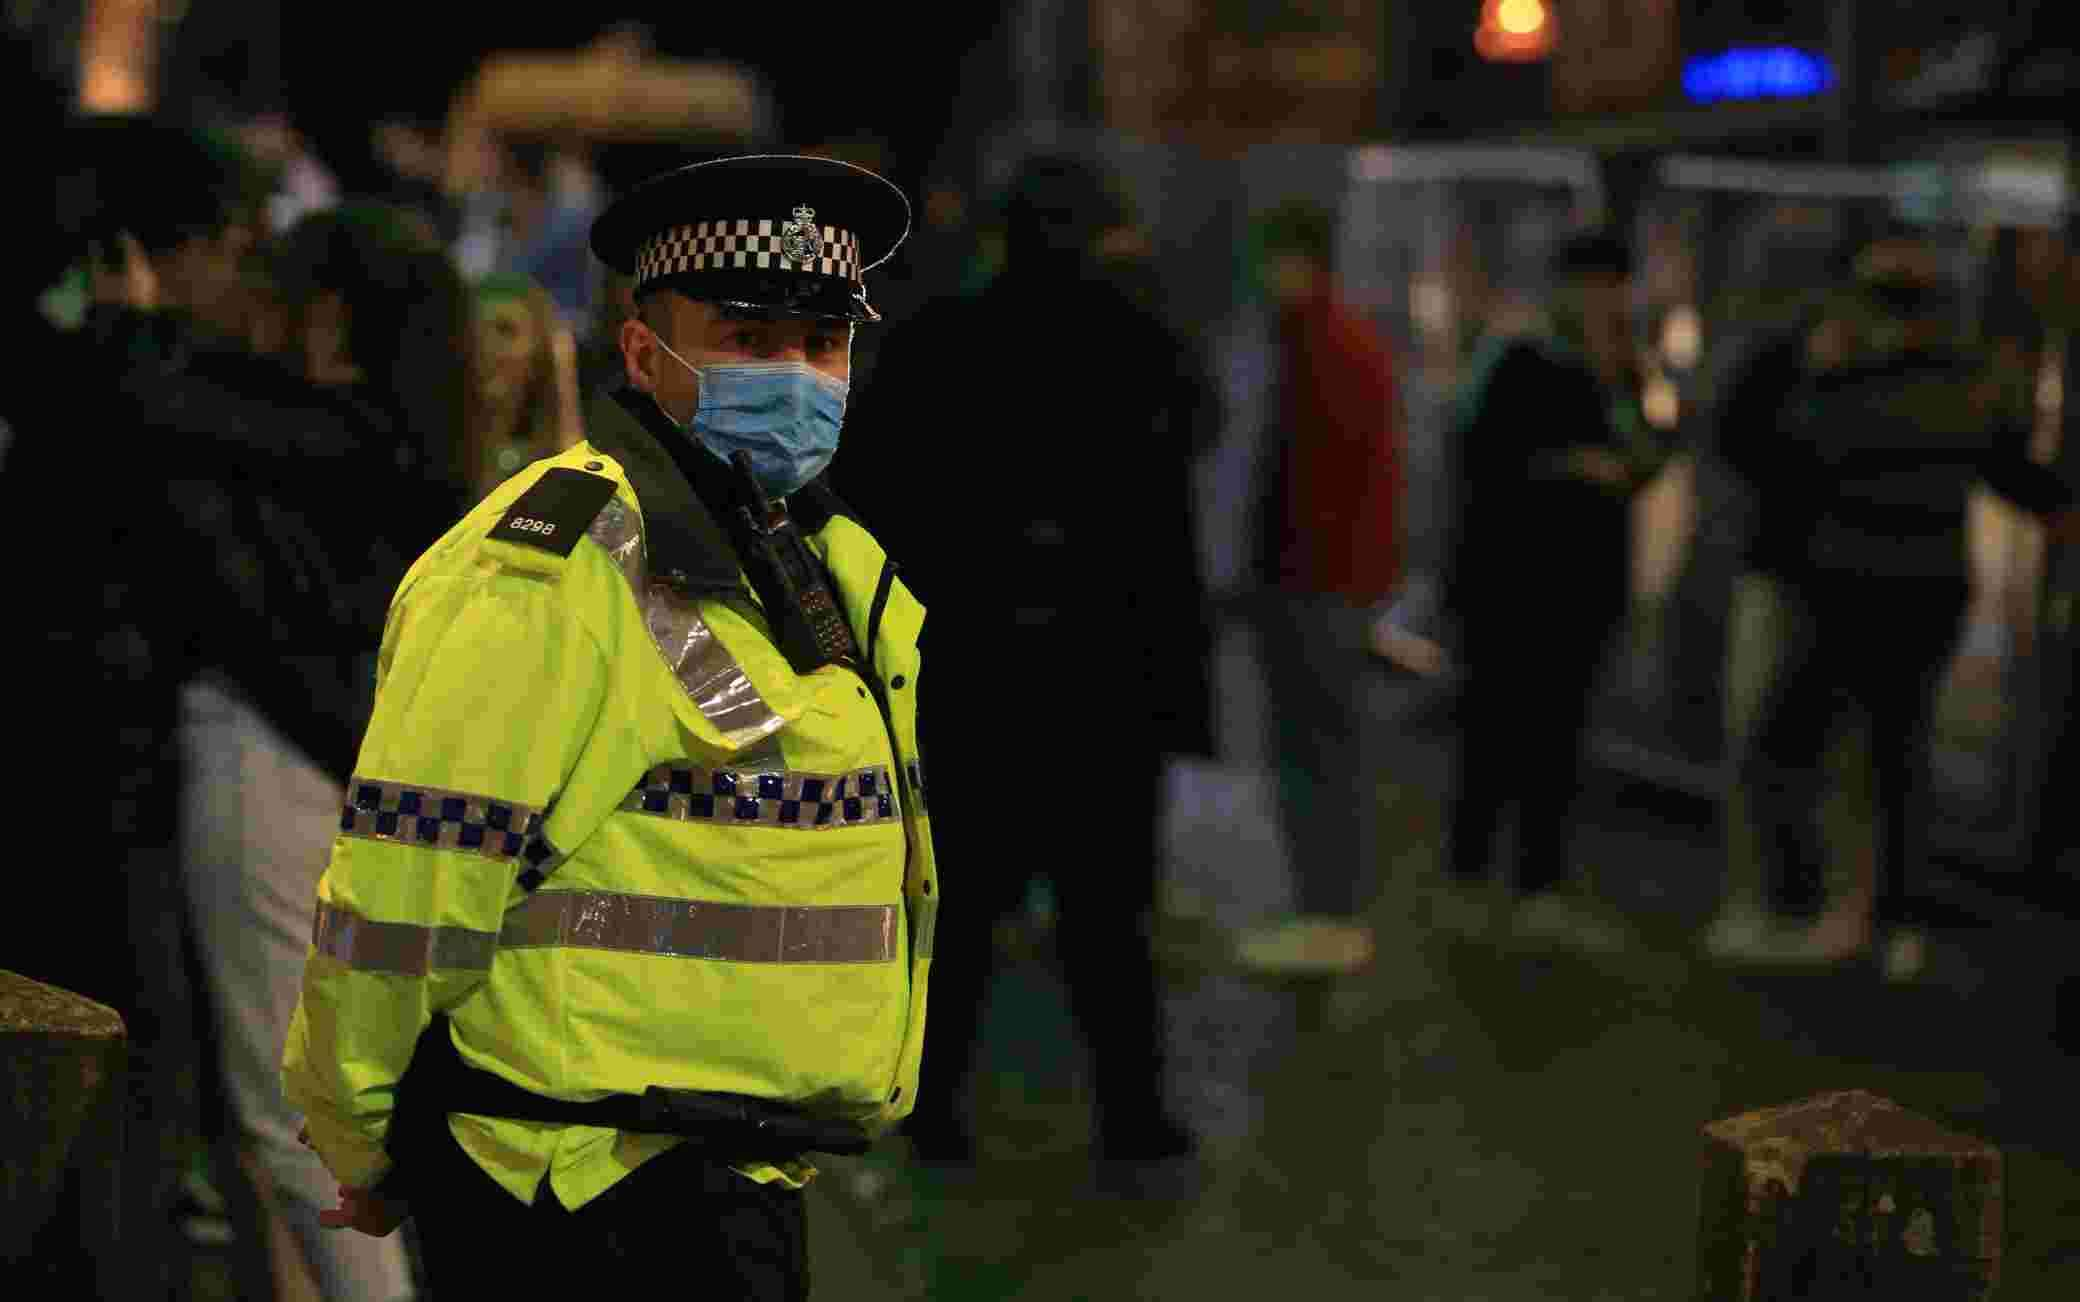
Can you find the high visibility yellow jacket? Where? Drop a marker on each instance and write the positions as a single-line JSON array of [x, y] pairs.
[[600, 823]]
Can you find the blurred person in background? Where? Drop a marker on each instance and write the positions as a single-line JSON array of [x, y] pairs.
[[526, 398], [96, 643], [1547, 433], [414, 157], [1783, 263], [377, 316], [2048, 276], [526, 204], [1328, 558], [1863, 443], [1068, 621], [369, 395], [1779, 341], [196, 216], [555, 196], [303, 183], [196, 540], [225, 430]]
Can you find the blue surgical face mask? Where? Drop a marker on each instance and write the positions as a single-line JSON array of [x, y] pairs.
[[786, 415]]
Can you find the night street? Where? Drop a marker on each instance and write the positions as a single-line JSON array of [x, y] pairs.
[[1158, 649], [1486, 1126]]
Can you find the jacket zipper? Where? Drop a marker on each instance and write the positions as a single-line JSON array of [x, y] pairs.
[[880, 604], [872, 678]]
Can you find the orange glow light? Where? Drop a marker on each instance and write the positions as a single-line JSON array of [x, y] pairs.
[[117, 49], [1514, 31], [1520, 17]]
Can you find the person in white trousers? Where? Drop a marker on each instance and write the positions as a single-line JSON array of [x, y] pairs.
[[258, 827]]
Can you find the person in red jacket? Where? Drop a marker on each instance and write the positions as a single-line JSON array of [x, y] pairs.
[[1329, 558]]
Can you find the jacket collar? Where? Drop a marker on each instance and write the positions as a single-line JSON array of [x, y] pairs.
[[685, 493], [681, 531]]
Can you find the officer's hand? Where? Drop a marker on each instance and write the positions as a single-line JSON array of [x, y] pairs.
[[365, 1210]]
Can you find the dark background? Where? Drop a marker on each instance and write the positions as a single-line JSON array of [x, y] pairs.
[[828, 75]]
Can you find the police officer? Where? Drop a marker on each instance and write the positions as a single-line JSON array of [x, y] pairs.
[[636, 849]]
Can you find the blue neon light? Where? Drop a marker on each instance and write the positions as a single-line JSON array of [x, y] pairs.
[[1756, 72]]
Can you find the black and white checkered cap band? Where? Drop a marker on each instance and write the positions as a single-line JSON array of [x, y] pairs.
[[745, 243]]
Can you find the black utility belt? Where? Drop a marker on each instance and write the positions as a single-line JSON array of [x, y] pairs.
[[727, 1123], [731, 1126]]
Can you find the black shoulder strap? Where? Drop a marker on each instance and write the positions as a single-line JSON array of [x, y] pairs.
[[555, 511]]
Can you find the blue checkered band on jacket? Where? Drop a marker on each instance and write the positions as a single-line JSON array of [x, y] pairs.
[[450, 820], [746, 243], [805, 801]]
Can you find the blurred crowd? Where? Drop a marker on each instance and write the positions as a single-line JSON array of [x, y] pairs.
[[247, 398], [1859, 421], [255, 401]]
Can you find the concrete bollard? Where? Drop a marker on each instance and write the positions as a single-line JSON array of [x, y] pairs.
[[65, 1059], [1846, 1196]]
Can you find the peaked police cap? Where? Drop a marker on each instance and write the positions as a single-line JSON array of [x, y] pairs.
[[770, 234]]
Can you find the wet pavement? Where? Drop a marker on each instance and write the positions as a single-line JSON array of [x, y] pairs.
[[1462, 1122]]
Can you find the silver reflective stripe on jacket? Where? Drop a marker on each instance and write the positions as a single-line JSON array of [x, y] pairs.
[[734, 933], [710, 676], [401, 947]]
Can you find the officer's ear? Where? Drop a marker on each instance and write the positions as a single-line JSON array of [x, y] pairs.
[[639, 353]]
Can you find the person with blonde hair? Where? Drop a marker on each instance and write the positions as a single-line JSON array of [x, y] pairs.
[[523, 406]]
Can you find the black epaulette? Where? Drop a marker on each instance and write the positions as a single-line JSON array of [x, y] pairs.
[[556, 511]]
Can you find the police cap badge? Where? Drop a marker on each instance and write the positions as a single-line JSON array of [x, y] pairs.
[[772, 234]]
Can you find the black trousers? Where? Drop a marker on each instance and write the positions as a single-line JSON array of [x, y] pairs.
[[1873, 645], [1319, 668], [678, 1226], [1525, 708], [1097, 847]]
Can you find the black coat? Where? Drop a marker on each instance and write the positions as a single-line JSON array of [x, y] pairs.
[[1866, 469], [1536, 551], [180, 512], [300, 508], [1025, 456]]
